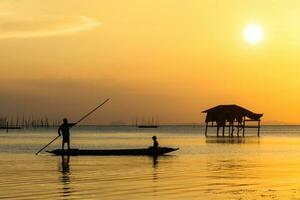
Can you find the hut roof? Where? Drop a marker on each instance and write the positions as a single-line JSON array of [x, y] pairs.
[[227, 108], [232, 111]]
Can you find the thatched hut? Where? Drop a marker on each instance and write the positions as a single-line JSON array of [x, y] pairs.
[[231, 116]]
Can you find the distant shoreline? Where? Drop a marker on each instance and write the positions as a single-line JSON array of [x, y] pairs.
[[163, 125]]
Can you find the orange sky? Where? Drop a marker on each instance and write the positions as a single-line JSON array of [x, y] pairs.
[[169, 58]]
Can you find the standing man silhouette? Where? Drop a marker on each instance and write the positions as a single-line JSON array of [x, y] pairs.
[[64, 129]]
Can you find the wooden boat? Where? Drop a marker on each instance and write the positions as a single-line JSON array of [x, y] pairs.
[[114, 152], [148, 126]]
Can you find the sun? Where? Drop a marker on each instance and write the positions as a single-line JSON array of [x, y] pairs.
[[253, 33]]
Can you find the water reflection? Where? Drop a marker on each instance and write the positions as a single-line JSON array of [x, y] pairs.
[[154, 161], [234, 176], [233, 140], [65, 166], [154, 175], [65, 175]]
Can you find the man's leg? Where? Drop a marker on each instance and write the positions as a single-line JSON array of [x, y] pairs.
[[62, 145]]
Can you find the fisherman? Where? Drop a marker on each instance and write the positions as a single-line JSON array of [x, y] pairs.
[[155, 143], [64, 130]]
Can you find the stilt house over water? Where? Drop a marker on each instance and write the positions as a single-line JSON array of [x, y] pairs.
[[232, 116]]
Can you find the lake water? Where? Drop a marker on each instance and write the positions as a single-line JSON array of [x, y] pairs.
[[255, 168]]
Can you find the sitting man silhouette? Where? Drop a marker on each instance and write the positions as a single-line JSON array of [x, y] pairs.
[[155, 143]]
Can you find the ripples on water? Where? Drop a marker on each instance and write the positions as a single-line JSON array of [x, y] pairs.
[[254, 168]]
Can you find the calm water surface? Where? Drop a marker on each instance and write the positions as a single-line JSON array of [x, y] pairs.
[[256, 168]]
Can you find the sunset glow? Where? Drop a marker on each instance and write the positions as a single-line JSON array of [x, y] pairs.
[[170, 59], [253, 34], [150, 100]]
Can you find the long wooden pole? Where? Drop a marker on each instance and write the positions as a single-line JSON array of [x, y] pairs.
[[85, 116], [47, 145]]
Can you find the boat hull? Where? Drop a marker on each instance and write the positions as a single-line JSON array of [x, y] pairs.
[[114, 152], [148, 126]]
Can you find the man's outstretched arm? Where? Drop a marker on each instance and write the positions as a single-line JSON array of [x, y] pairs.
[[71, 124]]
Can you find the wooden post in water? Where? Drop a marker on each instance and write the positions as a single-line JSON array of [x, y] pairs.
[[258, 131], [206, 129], [243, 126], [229, 130], [223, 130]]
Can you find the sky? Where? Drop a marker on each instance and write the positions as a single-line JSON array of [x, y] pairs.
[[169, 59]]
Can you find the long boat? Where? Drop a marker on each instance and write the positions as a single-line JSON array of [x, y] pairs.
[[147, 126], [114, 152]]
